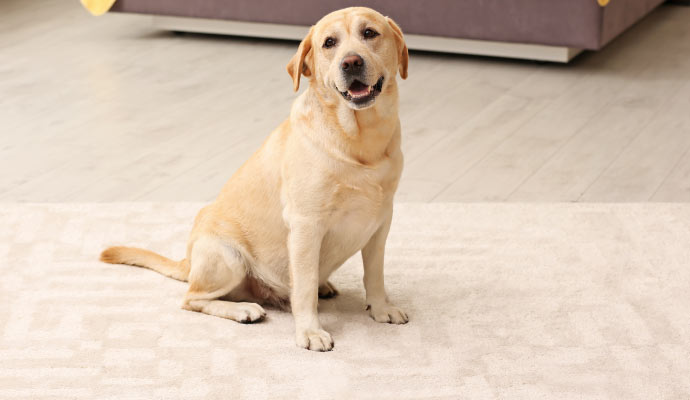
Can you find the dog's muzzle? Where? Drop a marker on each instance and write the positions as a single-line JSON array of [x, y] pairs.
[[360, 93]]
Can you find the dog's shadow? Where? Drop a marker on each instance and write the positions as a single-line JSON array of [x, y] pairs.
[[348, 301], [347, 307]]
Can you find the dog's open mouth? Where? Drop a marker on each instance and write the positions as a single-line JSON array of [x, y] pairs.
[[359, 93]]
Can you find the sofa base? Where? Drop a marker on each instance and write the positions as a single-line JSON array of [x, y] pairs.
[[414, 42]]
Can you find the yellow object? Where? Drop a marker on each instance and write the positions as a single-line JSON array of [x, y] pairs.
[[603, 3], [97, 7]]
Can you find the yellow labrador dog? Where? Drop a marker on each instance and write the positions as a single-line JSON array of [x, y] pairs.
[[318, 190]]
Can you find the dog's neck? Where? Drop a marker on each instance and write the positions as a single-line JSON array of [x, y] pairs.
[[364, 136]]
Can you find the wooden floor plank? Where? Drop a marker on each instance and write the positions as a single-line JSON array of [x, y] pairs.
[[642, 167], [521, 154], [579, 162], [676, 186]]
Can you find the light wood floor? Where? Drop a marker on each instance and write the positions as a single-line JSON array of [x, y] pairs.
[[108, 109]]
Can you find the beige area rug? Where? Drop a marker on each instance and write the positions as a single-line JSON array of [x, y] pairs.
[[507, 301]]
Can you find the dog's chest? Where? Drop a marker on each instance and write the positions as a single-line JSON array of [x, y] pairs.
[[363, 203], [350, 229], [359, 214]]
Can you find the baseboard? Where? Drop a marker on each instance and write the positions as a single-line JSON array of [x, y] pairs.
[[536, 52]]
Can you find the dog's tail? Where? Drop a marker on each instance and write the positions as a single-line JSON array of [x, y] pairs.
[[144, 258]]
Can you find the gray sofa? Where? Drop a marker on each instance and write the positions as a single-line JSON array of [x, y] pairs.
[[442, 25]]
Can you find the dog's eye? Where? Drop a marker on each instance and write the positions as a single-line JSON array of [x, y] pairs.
[[369, 33], [330, 42]]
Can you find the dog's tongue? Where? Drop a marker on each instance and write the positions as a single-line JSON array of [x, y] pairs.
[[358, 89]]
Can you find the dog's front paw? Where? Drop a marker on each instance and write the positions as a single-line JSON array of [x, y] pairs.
[[387, 313], [315, 339]]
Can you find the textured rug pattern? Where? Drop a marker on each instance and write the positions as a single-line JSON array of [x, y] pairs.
[[561, 301]]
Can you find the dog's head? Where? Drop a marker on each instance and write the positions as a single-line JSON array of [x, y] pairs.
[[355, 52]]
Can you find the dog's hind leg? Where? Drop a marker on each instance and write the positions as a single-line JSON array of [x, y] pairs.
[[327, 291], [216, 270]]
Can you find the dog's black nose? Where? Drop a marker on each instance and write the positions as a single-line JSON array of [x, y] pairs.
[[352, 63]]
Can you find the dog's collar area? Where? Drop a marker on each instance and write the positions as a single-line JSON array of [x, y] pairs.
[[359, 93]]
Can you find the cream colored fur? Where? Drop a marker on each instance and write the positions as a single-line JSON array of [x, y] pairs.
[[319, 190]]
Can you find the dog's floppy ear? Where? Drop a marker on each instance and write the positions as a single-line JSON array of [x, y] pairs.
[[403, 56], [297, 65]]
